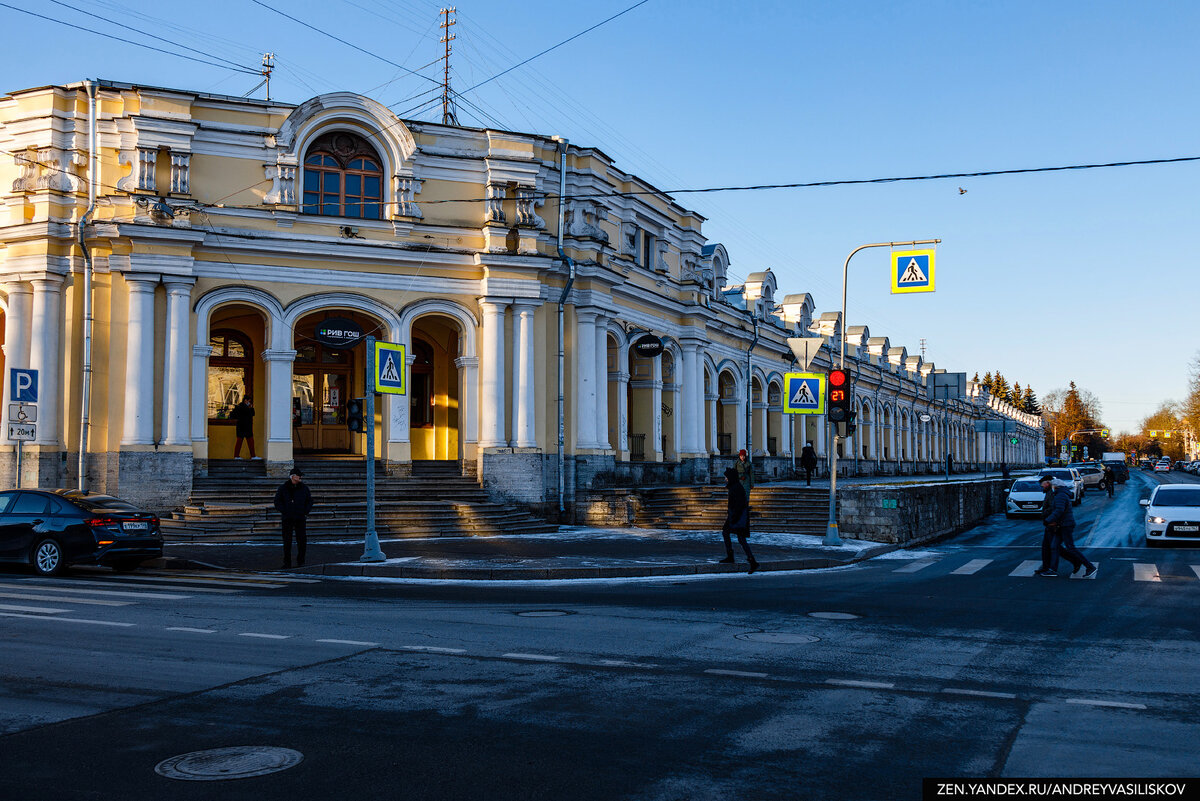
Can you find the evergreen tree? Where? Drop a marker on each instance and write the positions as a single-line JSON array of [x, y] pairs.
[[1000, 387], [1029, 401], [976, 378], [1014, 397], [987, 381]]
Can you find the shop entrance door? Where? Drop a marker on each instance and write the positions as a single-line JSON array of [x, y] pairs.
[[319, 410]]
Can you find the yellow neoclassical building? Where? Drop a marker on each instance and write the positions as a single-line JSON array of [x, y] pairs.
[[225, 238]]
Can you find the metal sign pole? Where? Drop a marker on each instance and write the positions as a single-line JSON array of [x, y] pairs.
[[18, 464], [371, 550]]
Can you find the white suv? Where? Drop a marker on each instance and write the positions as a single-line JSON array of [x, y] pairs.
[[1066, 476]]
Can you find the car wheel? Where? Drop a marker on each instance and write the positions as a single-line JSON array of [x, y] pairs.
[[1102, 486], [47, 558], [1077, 501]]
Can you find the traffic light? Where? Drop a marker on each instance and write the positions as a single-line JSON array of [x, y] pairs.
[[852, 424], [839, 397], [354, 415], [1013, 440]]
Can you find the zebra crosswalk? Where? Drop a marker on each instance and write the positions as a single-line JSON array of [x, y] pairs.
[[957, 565], [24, 596]]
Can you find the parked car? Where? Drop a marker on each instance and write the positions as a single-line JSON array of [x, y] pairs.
[[51, 529], [1145, 464], [1092, 474], [1194, 467], [1068, 476], [1173, 514], [1179, 465], [1163, 465], [1025, 498]]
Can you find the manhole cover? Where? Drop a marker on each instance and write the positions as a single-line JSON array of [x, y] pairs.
[[236, 762], [833, 615], [778, 637], [543, 613]]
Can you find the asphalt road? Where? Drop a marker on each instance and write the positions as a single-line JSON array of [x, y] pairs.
[[850, 683]]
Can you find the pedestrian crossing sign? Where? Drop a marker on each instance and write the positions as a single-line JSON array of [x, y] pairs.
[[912, 271], [804, 393], [390, 368]]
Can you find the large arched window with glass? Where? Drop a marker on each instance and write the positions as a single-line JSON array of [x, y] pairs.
[[230, 373], [343, 177]]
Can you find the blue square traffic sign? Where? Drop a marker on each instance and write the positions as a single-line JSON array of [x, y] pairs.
[[23, 385]]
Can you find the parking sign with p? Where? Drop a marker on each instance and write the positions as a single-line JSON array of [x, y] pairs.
[[23, 385]]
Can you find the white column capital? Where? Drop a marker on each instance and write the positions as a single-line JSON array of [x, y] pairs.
[[203, 351], [466, 361], [140, 283], [270, 355], [587, 316], [17, 288], [178, 285], [47, 282]]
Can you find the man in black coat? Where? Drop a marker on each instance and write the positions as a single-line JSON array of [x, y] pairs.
[[294, 502], [808, 460], [243, 417], [737, 520]]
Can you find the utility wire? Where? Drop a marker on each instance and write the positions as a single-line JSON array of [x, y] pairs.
[[129, 41], [553, 47], [343, 41], [145, 33]]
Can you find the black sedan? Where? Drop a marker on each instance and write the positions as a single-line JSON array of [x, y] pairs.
[[51, 529]]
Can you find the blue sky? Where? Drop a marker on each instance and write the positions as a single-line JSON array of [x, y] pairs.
[[1085, 276]]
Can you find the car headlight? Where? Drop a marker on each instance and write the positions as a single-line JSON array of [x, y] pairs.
[[1157, 520]]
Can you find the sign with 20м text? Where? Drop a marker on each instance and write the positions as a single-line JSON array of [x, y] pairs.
[[912, 271], [391, 367]]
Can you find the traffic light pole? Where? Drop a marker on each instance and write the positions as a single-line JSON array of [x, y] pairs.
[[831, 532], [371, 550]]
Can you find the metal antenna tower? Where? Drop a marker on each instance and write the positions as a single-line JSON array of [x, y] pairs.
[[448, 115], [922, 348], [268, 66]]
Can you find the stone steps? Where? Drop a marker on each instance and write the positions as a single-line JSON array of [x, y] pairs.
[[797, 510]]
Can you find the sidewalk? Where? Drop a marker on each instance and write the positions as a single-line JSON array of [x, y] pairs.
[[574, 552]]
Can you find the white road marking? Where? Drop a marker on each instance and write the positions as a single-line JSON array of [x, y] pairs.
[[122, 585], [870, 685], [533, 657], [974, 566], [623, 663], [743, 673], [1094, 702], [23, 596], [1026, 568], [189, 580], [191, 630], [116, 593], [1145, 572], [43, 609], [432, 649], [915, 566], [265, 636], [1195, 569], [978, 693], [68, 619], [350, 642]]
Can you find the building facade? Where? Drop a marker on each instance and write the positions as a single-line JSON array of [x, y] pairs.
[[226, 232]]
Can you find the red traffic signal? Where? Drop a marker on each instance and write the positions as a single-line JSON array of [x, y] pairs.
[[837, 378], [839, 396]]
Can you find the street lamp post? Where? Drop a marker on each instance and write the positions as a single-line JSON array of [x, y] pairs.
[[831, 532]]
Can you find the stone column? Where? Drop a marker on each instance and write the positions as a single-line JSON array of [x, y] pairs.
[[468, 400], [492, 403], [710, 437], [762, 435], [656, 428], [139, 362], [622, 443], [176, 423], [603, 439], [525, 377], [200, 354], [45, 354], [691, 401], [585, 379], [278, 364], [16, 334]]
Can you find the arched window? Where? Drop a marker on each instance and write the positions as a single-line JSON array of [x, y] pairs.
[[343, 177], [230, 373]]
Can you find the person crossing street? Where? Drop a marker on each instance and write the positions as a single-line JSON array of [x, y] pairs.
[[294, 502], [1059, 537]]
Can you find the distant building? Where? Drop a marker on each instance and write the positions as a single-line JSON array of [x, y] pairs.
[[228, 230]]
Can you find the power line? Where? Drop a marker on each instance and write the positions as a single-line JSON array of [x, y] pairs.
[[128, 41], [553, 47], [145, 33], [343, 41]]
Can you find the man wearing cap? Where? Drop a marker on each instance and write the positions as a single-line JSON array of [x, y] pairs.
[[294, 502], [1059, 536], [745, 471]]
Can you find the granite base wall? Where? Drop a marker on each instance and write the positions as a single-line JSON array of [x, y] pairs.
[[156, 481], [913, 513], [44, 469]]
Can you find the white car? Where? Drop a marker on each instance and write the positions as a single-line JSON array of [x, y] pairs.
[[1173, 514], [1025, 497], [1163, 465], [1066, 476]]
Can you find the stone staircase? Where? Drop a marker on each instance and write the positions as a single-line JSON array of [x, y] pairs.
[[788, 509], [236, 502]]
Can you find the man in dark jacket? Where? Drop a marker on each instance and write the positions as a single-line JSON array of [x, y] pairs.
[[243, 418], [737, 520], [808, 460], [1110, 479], [1059, 537], [294, 502]]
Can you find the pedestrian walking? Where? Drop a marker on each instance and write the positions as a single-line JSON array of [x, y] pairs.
[[1110, 479], [243, 418], [737, 519], [1059, 536], [294, 502], [808, 460], [745, 472]]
